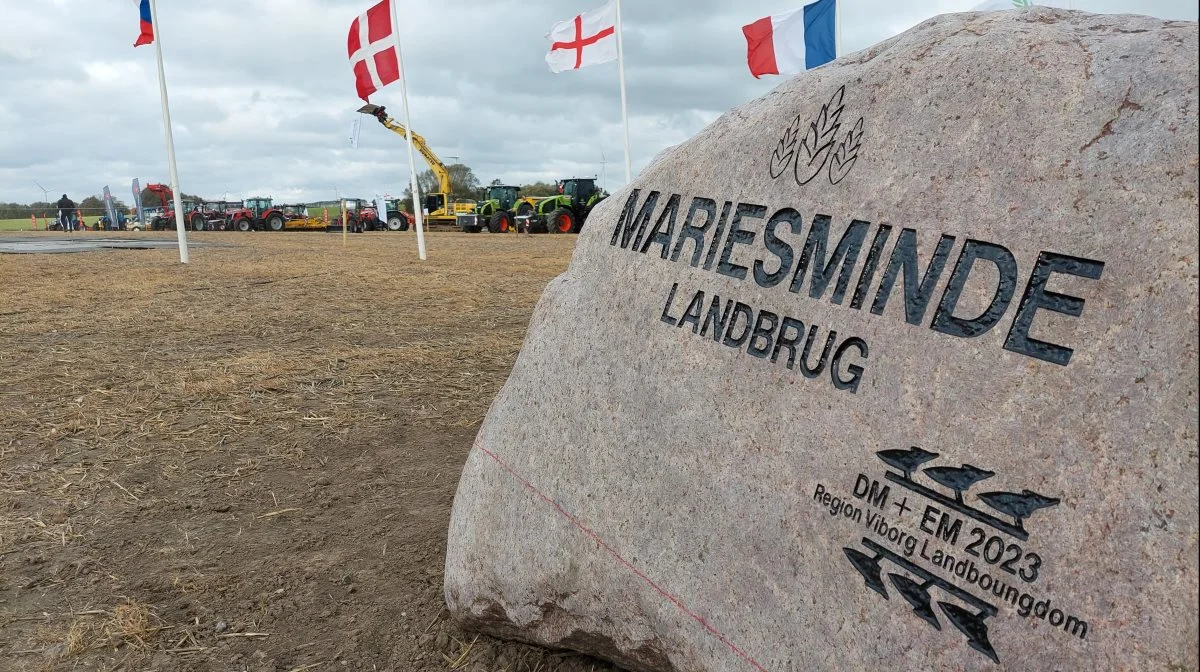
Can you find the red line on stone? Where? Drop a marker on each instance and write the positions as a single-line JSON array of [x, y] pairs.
[[596, 538]]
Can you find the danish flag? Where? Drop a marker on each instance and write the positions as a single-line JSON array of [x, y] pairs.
[[372, 50]]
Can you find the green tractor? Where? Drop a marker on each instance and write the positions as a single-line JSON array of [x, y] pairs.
[[567, 211], [498, 211]]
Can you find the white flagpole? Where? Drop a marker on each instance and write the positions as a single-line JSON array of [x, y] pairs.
[[412, 163], [837, 33], [624, 111], [180, 230]]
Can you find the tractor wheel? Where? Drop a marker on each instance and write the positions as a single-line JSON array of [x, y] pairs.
[[197, 223], [222, 225], [397, 223], [501, 222], [275, 223], [524, 209], [560, 221], [243, 224]]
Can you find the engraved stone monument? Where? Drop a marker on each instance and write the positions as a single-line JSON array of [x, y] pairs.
[[892, 368]]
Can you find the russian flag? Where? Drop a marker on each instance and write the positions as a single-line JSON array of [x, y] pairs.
[[147, 35], [793, 42]]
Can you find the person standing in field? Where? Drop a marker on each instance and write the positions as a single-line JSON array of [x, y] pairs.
[[66, 210]]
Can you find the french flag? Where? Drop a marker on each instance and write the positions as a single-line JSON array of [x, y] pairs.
[[147, 35], [789, 43]]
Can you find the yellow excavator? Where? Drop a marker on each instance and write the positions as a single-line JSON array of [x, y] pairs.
[[439, 210]]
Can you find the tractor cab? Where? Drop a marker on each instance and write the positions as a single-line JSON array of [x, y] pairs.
[[258, 205], [505, 196], [567, 211], [580, 189]]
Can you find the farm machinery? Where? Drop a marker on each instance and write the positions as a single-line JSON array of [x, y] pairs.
[[198, 216], [364, 215], [211, 215], [262, 214], [165, 219], [397, 218], [360, 216], [567, 211], [253, 214], [256, 214], [499, 211], [438, 206], [297, 218]]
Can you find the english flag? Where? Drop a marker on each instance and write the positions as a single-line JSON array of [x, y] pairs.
[[799, 40], [372, 49], [147, 24], [587, 39]]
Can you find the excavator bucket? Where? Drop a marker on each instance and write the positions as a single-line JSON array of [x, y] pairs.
[[377, 111]]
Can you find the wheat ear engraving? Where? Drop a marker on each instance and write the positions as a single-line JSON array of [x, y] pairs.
[[847, 153], [785, 150], [818, 142]]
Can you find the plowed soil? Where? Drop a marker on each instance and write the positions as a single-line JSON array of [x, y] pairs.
[[248, 462]]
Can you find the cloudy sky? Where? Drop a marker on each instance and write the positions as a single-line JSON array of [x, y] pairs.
[[262, 97]]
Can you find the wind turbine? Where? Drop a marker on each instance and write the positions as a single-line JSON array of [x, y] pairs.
[[603, 169], [45, 194]]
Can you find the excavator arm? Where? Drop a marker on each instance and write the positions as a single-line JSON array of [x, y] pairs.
[[435, 164], [163, 192]]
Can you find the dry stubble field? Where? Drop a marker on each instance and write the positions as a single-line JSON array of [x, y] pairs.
[[248, 462]]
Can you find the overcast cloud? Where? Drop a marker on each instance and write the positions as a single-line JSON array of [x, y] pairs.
[[262, 97]]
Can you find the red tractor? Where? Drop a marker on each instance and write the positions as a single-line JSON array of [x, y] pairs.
[[257, 214], [202, 216], [362, 215], [211, 216], [167, 219]]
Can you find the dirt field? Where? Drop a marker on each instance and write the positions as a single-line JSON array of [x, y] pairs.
[[248, 462]]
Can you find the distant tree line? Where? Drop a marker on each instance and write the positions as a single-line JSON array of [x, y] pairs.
[[539, 189], [91, 205]]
